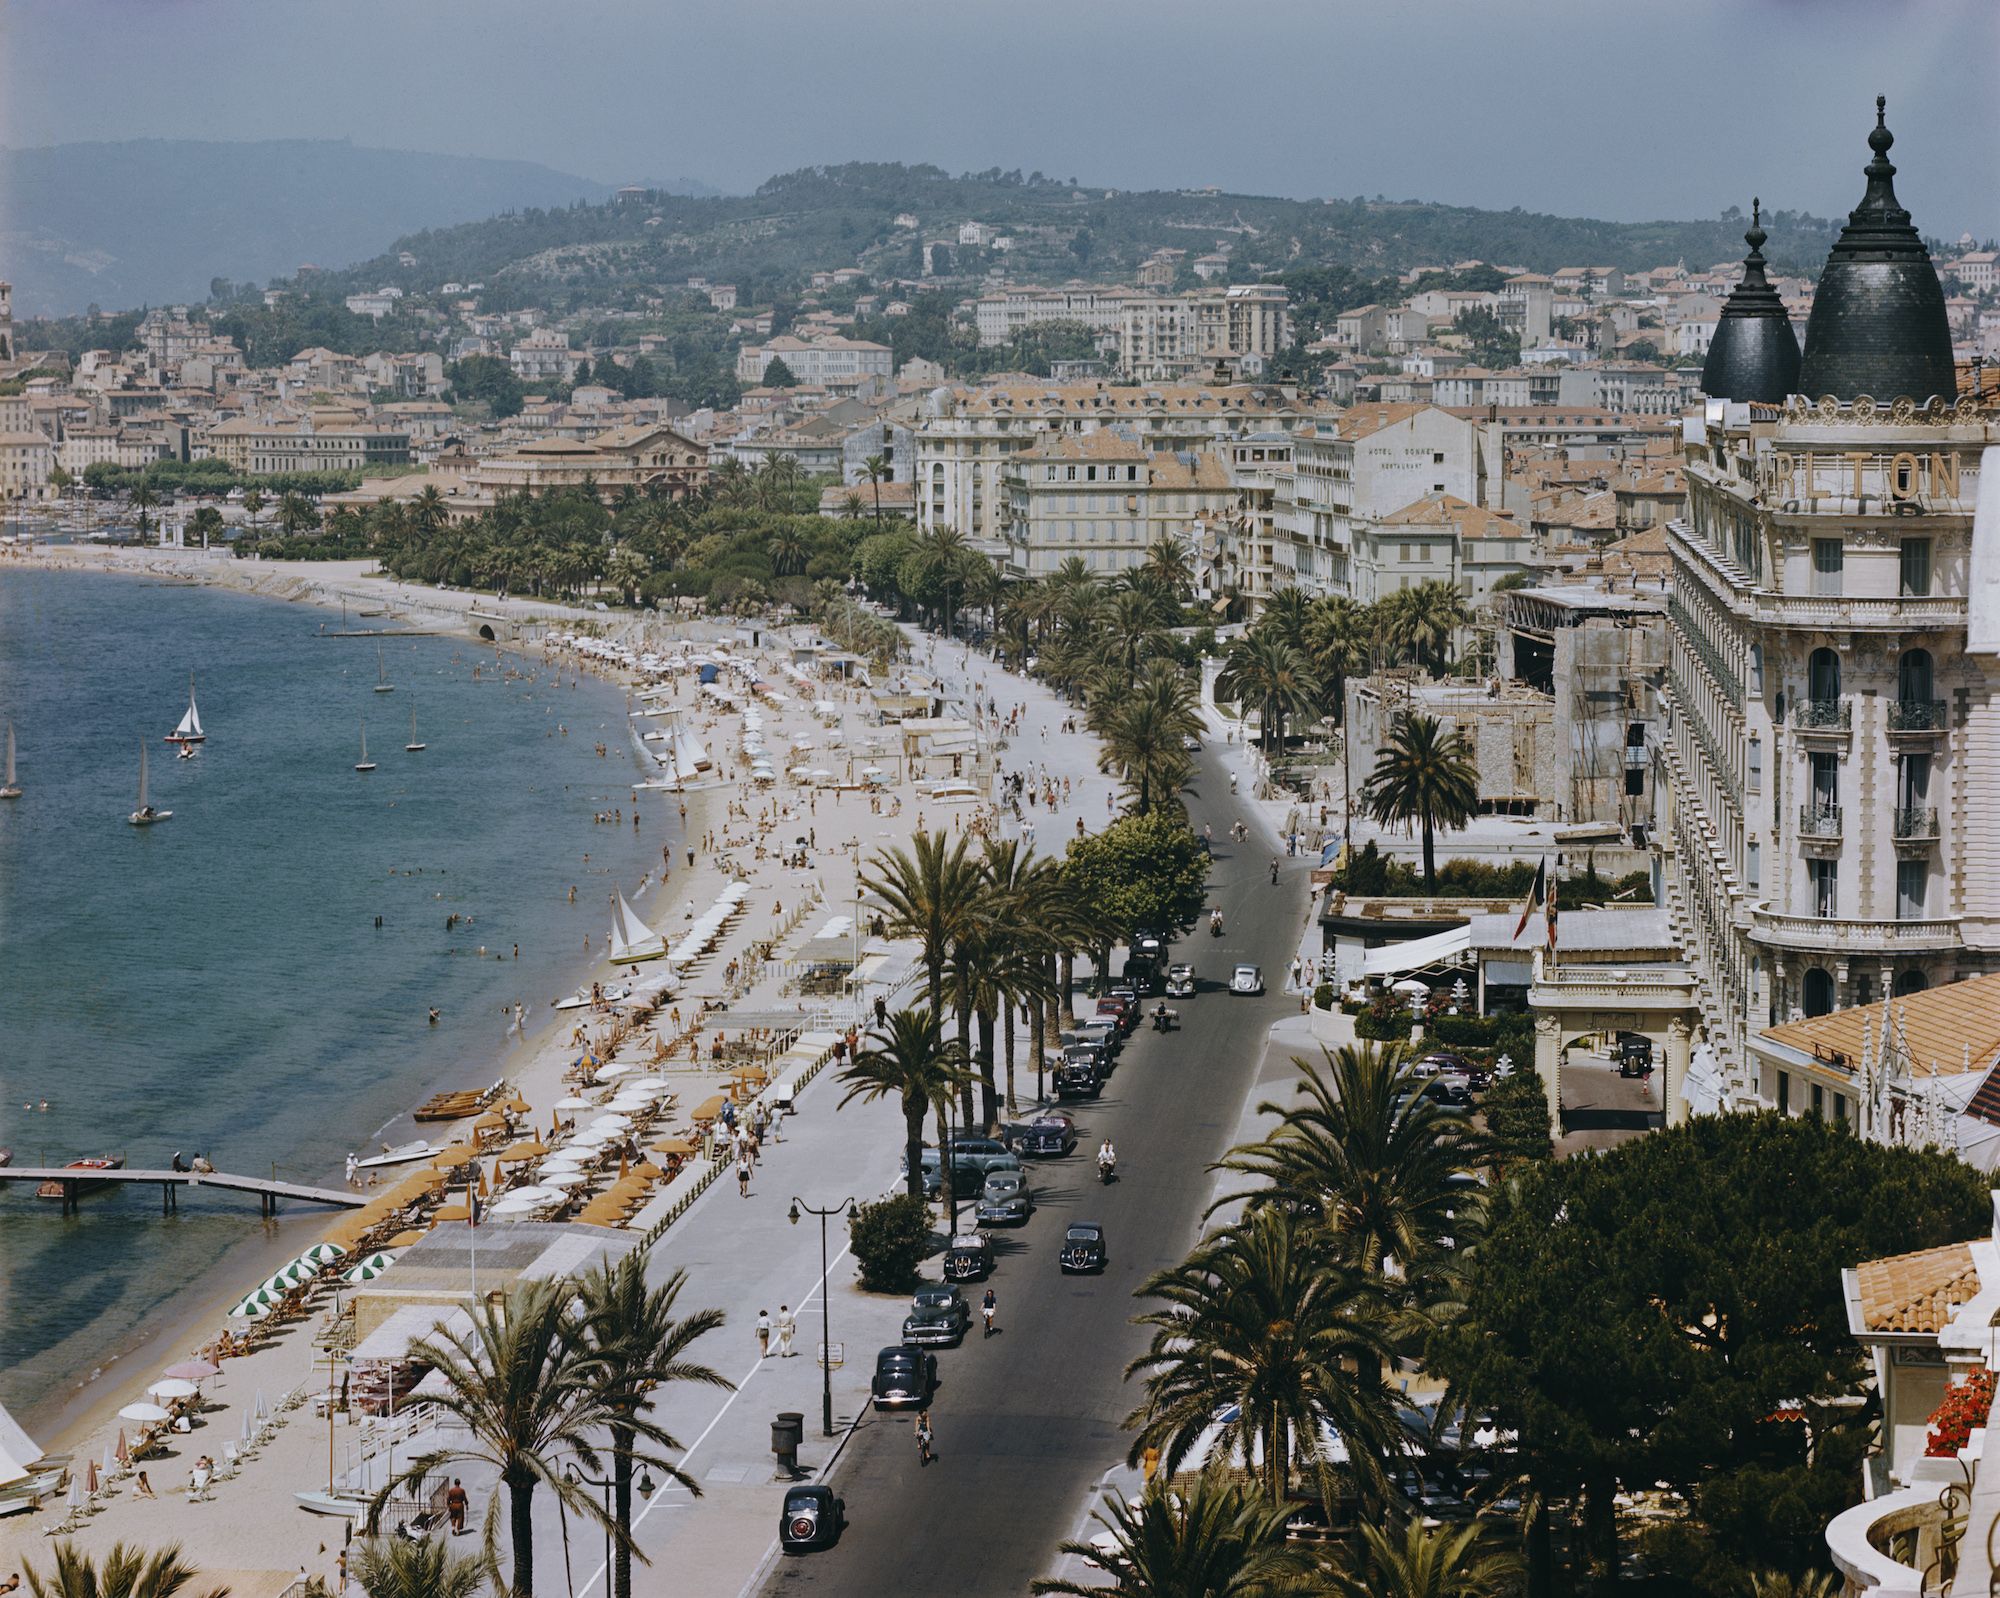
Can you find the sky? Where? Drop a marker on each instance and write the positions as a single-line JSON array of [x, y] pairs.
[[1604, 108]]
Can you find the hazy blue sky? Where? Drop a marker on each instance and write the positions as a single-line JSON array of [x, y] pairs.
[[1590, 107]]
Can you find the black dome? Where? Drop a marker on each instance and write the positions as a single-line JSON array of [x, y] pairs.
[[1878, 323], [1754, 354]]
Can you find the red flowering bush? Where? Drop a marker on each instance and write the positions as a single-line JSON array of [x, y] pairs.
[[1964, 1406]]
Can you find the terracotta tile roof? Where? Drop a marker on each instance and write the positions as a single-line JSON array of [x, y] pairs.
[[1363, 420], [1934, 1028], [1104, 444], [1916, 1292]]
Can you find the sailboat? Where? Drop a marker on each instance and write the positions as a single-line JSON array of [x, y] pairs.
[[382, 683], [189, 731], [413, 747], [631, 939], [145, 815], [364, 763], [10, 789]]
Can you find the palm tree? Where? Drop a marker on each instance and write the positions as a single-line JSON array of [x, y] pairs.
[[627, 569], [429, 511], [1212, 1538], [1426, 775], [1022, 889], [1132, 631], [1263, 672], [787, 549], [525, 1389], [253, 503], [1169, 569], [1336, 643], [206, 524], [1417, 1560], [1286, 613], [297, 514], [143, 500], [949, 552], [877, 470], [1142, 741], [1384, 1164], [932, 890], [397, 1567], [1266, 1317], [127, 1572], [643, 1345], [917, 1063]]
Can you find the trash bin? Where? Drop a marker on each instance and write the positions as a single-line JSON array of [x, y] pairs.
[[788, 1431]]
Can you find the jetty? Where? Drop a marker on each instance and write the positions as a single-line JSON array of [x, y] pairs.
[[268, 1190]]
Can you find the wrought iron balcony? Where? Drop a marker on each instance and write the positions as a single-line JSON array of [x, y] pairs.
[[1918, 715], [1916, 824], [1819, 821], [1821, 715]]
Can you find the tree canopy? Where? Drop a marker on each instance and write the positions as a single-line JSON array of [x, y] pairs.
[[1146, 871]]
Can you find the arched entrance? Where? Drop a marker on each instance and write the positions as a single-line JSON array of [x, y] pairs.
[[1908, 982], [1817, 991]]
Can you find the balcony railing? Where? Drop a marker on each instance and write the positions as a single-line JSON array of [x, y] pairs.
[[1821, 715], [1915, 823], [1935, 935], [1917, 715], [1819, 821]]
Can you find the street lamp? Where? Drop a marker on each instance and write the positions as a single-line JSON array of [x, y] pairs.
[[643, 1486], [825, 1333]]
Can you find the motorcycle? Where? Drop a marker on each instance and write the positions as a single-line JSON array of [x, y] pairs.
[[1215, 926], [1107, 1171], [1165, 1020]]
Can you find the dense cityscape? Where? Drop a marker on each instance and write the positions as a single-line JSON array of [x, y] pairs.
[[1046, 887]]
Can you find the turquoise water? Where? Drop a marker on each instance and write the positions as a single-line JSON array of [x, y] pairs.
[[217, 982]]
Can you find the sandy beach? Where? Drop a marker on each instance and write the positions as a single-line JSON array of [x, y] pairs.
[[739, 831]]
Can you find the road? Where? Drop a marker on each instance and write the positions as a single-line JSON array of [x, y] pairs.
[[1027, 1421]]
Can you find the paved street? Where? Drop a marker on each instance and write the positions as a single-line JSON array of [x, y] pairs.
[[1028, 1422]]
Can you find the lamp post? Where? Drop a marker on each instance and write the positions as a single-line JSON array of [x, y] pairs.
[[643, 1486], [825, 1323]]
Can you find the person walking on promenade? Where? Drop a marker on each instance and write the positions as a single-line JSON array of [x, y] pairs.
[[788, 1327], [455, 1505], [763, 1334], [743, 1177]]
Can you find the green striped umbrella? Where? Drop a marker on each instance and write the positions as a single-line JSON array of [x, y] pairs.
[[322, 1254], [370, 1268]]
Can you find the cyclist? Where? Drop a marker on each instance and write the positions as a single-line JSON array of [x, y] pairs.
[[1274, 871], [924, 1454], [987, 1306]]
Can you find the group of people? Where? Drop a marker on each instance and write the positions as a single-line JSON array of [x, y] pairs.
[[776, 1337], [200, 1163]]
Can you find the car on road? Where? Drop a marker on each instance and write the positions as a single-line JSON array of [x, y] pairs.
[[1452, 1087], [1247, 979], [1180, 981], [938, 1316], [1142, 975], [968, 1258], [905, 1378], [1078, 1079], [968, 1175], [1190, 742], [933, 1172], [813, 1518], [1151, 944], [1005, 1200], [1437, 1063], [1046, 1137], [1122, 1009], [1082, 1247], [1102, 1032]]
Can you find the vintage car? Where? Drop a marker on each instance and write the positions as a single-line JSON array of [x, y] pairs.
[[1005, 1200], [933, 1172], [1046, 1136], [1180, 981], [968, 1258], [938, 1316], [1118, 1011], [1104, 1033], [813, 1518], [1247, 979], [905, 1378], [1078, 1078], [1083, 1247]]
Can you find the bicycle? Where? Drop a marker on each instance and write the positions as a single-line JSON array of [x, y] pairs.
[[924, 1453]]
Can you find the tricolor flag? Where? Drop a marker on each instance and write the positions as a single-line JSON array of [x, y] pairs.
[[1552, 918], [1534, 897]]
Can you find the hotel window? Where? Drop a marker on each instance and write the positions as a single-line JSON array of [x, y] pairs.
[[1823, 879], [1911, 878], [1784, 1093], [1916, 568], [1818, 1102], [1754, 780], [1829, 557], [1752, 865], [1840, 1109]]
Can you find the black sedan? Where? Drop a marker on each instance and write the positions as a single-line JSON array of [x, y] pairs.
[[905, 1378], [968, 1258], [1047, 1136], [938, 1315], [813, 1518], [1005, 1200], [1078, 1081], [1083, 1247]]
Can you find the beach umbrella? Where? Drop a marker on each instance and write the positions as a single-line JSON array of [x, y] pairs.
[[173, 1387], [90, 1477], [370, 1267], [143, 1412], [453, 1212], [247, 1427], [561, 1181], [533, 1149], [124, 1448], [405, 1239], [623, 1165], [263, 1406], [645, 1082], [611, 1073], [517, 1105], [610, 1123], [251, 1308], [322, 1253], [574, 1103], [674, 1145], [192, 1370], [74, 1501], [110, 1460]]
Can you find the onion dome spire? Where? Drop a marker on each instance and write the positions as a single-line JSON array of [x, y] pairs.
[[1878, 323], [1754, 354]]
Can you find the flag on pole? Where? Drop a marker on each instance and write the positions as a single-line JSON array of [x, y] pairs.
[[1552, 918], [1534, 897]]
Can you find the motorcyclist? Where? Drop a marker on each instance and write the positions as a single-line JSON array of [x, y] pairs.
[[1232, 782], [1215, 923], [1107, 1158], [1274, 871], [1161, 1016]]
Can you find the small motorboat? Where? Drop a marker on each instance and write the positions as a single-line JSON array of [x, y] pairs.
[[616, 994], [54, 1188], [347, 1505], [186, 752], [401, 1154]]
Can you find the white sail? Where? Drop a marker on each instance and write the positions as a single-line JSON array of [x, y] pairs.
[[10, 757], [142, 777], [631, 938], [189, 730]]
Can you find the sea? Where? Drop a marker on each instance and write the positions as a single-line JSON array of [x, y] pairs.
[[253, 979]]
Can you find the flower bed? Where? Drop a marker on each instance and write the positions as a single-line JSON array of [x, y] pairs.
[[1961, 1411]]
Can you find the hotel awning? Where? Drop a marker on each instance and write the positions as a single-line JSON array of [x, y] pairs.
[[1440, 948]]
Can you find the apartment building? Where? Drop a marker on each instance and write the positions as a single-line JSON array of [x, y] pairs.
[[966, 437], [544, 356], [1174, 335], [1104, 498], [1833, 682], [1006, 313], [25, 462], [815, 362], [262, 446]]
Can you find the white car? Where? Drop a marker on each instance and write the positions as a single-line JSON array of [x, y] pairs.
[[1247, 979], [1190, 743]]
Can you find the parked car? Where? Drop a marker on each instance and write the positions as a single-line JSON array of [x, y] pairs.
[[1452, 1087], [1437, 1063], [968, 1175], [938, 1316], [1152, 944], [905, 1378], [1083, 1247], [1078, 1080], [968, 1258], [812, 1518], [1190, 742], [1104, 1034], [933, 1172], [1120, 1010], [1005, 1200], [1141, 974], [1180, 981], [1046, 1136], [1247, 979]]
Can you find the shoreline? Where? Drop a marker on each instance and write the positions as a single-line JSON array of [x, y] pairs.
[[64, 1419]]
